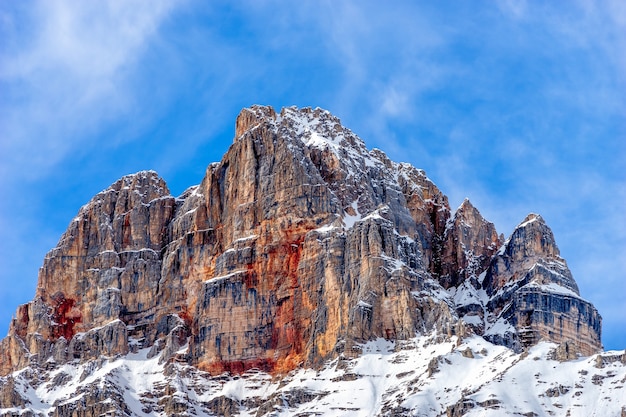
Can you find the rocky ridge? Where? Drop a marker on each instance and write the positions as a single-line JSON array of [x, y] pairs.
[[296, 249]]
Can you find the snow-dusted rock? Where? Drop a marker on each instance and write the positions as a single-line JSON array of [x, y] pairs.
[[531, 288], [414, 377], [299, 248]]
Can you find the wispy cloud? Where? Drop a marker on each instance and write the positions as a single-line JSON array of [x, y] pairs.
[[66, 74], [381, 53]]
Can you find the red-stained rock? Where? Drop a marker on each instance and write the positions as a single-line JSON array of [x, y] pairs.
[[64, 316], [299, 244]]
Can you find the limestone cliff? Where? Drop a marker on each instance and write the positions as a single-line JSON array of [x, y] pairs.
[[531, 289], [296, 247]]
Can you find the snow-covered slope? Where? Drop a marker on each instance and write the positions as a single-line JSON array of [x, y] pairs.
[[423, 376]]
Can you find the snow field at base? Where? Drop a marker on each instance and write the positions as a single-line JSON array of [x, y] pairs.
[[420, 375], [549, 387], [134, 374]]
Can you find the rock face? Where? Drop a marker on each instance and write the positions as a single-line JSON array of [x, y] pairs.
[[531, 287], [103, 273], [295, 248], [468, 245]]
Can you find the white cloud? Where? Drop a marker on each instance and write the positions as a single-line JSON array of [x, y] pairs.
[[68, 74], [516, 9]]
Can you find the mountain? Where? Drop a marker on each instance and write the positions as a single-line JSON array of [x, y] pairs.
[[304, 275]]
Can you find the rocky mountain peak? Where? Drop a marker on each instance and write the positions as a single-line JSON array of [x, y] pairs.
[[532, 289], [470, 242], [318, 128], [305, 128], [146, 184], [311, 127], [252, 117], [532, 247], [466, 205], [530, 218], [466, 214], [298, 248], [532, 238]]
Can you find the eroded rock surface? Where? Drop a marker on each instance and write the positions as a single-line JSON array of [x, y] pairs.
[[531, 289], [297, 246]]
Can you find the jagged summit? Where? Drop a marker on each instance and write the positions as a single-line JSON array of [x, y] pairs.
[[522, 281], [469, 244], [536, 237], [298, 248], [310, 126], [531, 217]]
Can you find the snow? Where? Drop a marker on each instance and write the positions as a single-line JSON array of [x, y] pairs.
[[243, 239], [195, 191], [421, 375], [139, 250], [500, 327], [183, 350], [225, 277], [371, 162], [502, 248], [80, 335], [406, 238], [465, 294], [319, 141], [553, 287], [392, 264], [375, 215], [473, 319], [350, 220], [325, 229], [235, 389], [531, 218]]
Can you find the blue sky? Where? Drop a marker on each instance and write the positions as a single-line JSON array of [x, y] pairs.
[[518, 105]]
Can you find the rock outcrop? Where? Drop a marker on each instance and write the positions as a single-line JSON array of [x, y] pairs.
[[468, 245], [101, 278], [531, 289], [295, 248]]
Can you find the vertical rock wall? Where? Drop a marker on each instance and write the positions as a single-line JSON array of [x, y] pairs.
[[532, 289], [297, 246]]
